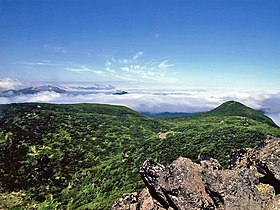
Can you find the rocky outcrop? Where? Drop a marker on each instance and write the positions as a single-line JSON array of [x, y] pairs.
[[137, 201], [251, 183]]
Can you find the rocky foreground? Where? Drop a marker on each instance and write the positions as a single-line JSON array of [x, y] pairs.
[[251, 183]]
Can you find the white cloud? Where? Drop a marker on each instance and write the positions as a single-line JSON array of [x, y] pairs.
[[9, 83], [56, 48], [125, 69], [38, 63], [137, 68], [136, 56], [60, 49], [98, 72], [44, 97], [148, 98], [82, 69], [108, 63], [35, 63], [156, 35], [165, 64], [124, 61], [272, 103], [130, 60], [79, 69]]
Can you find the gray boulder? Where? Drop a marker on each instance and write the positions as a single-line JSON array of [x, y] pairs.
[[251, 183]]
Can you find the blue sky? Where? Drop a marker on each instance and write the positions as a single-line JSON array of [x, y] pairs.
[[200, 43]]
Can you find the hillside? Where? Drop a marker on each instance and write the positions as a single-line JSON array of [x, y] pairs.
[[84, 156], [234, 108], [73, 154]]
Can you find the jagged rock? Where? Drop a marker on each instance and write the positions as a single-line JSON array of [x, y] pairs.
[[129, 201], [187, 185], [211, 164], [264, 160], [266, 191], [269, 157], [273, 204], [137, 201], [146, 201], [251, 183], [241, 158], [170, 185]]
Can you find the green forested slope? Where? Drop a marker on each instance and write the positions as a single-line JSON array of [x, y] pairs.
[[84, 156], [234, 108]]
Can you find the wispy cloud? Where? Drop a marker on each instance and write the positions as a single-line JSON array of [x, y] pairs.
[[38, 63], [137, 55], [134, 68], [124, 61], [60, 49], [156, 35], [55, 48], [165, 65], [137, 68], [129, 60], [108, 63], [125, 69], [82, 69]]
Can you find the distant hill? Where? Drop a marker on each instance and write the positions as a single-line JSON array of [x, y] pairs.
[[73, 90], [234, 108], [84, 156], [32, 90]]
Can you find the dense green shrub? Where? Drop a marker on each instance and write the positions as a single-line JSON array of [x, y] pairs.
[[84, 156]]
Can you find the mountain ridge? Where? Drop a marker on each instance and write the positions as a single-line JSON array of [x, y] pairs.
[[84, 156]]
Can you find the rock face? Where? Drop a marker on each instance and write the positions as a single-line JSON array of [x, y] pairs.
[[251, 183]]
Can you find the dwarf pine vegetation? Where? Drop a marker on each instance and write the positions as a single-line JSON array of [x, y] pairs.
[[84, 156]]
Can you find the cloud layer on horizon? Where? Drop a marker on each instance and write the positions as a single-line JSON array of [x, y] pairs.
[[141, 98]]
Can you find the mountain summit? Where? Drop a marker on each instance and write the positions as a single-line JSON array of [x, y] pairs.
[[234, 108]]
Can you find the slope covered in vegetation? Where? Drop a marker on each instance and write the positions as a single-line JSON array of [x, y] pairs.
[[234, 108], [84, 156]]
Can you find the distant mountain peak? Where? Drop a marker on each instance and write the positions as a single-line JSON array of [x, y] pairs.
[[230, 107], [32, 90], [235, 108]]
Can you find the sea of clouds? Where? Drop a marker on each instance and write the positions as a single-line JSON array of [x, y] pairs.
[[142, 98]]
